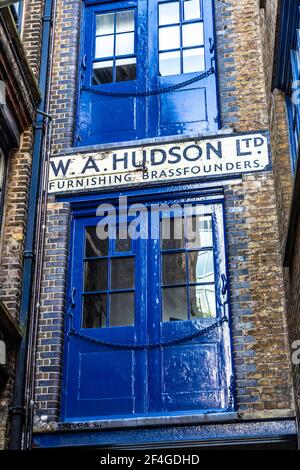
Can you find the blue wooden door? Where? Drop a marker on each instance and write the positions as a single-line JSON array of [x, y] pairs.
[[107, 303], [133, 47], [111, 63], [182, 50], [131, 301], [189, 295]]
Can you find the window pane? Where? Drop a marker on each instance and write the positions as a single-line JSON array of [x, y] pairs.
[[172, 233], [201, 266], [122, 309], [122, 273], [168, 13], [203, 302], [102, 72], [125, 21], [191, 9], [169, 38], [122, 245], [95, 275], [104, 47], [125, 44], [125, 69], [193, 60], [105, 24], [173, 269], [94, 311], [174, 302], [169, 63], [93, 245], [192, 35], [199, 232]]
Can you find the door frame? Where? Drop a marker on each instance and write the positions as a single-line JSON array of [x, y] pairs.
[[84, 205]]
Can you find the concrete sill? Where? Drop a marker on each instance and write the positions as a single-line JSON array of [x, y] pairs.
[[144, 422]]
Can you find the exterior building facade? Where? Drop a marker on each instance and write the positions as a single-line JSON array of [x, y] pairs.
[[286, 79], [165, 114], [19, 99]]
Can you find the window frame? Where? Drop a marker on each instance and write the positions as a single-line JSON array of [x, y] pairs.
[[114, 58], [181, 23], [188, 284], [83, 206], [112, 254]]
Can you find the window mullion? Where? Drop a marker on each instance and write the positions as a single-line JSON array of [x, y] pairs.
[[110, 242], [180, 29], [187, 270], [115, 47]]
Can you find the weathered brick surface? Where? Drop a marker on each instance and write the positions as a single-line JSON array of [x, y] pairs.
[[293, 312], [281, 163], [268, 22], [53, 310], [15, 209], [65, 72], [261, 353]]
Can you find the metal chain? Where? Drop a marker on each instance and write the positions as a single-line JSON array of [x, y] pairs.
[[142, 347], [159, 91]]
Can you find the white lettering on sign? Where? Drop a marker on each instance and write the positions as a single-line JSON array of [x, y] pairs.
[[215, 157]]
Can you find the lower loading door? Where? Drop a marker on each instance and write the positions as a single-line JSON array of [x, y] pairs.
[[148, 292]]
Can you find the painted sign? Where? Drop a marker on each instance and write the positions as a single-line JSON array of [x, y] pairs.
[[177, 160]]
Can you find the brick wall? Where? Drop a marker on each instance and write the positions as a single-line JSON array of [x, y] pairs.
[[293, 311], [261, 354], [64, 80], [15, 210], [53, 311]]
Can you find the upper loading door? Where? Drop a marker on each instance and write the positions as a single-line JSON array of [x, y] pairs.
[[147, 70]]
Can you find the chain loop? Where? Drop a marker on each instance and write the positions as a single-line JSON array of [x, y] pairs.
[[142, 347], [142, 94]]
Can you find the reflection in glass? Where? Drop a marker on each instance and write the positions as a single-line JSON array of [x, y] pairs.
[[193, 60], [199, 231], [125, 21], [105, 24], [168, 13], [191, 9], [172, 233], [95, 275], [122, 273], [94, 311], [174, 269], [201, 266], [104, 47], [125, 44], [169, 38], [169, 63], [174, 304], [192, 34], [122, 245], [203, 301], [102, 72], [94, 246], [121, 309], [125, 69]]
